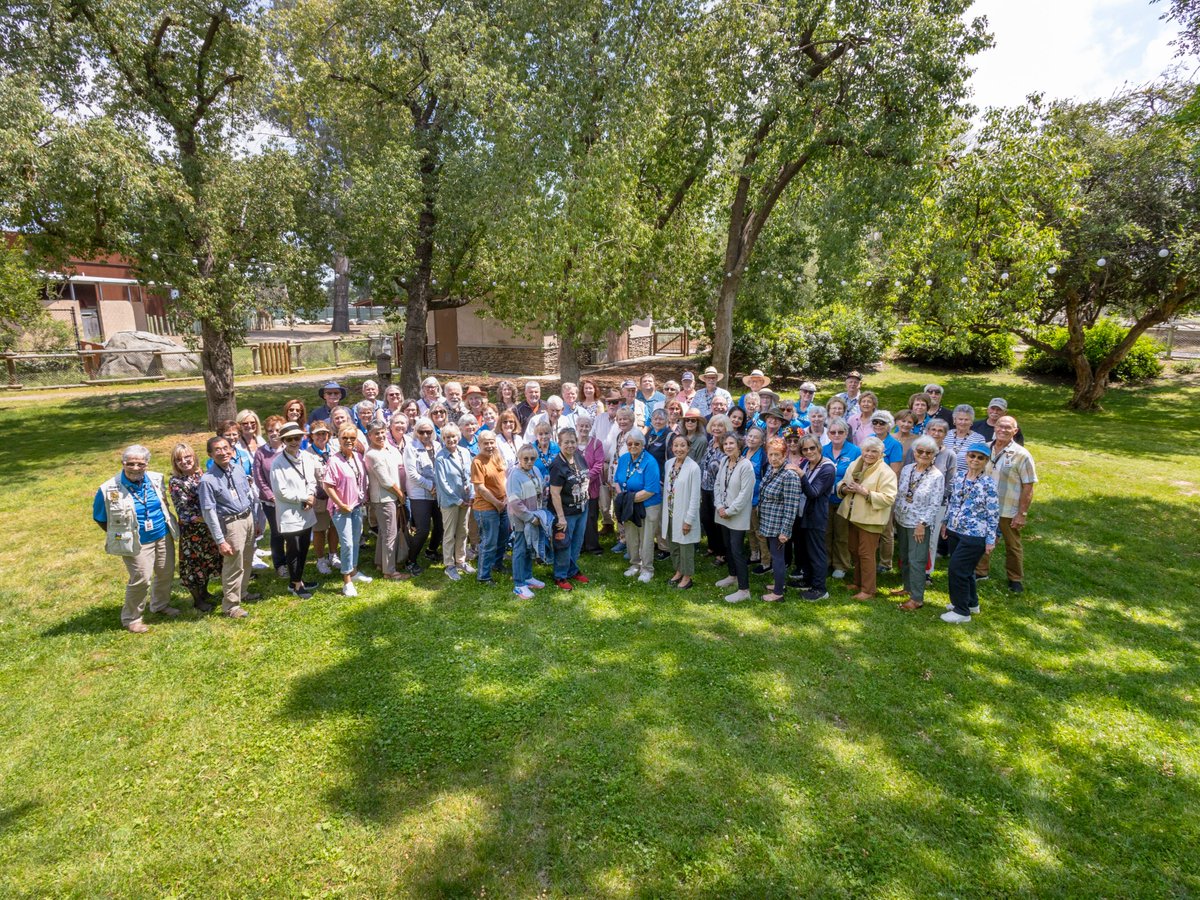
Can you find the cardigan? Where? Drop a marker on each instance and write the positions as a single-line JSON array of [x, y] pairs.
[[871, 512], [292, 482], [684, 506], [816, 484], [734, 490]]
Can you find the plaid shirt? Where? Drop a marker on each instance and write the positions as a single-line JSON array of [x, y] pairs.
[[1011, 468], [780, 501]]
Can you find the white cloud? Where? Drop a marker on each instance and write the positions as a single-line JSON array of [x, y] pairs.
[[1081, 49]]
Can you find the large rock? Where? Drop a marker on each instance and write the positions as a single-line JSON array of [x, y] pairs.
[[140, 360]]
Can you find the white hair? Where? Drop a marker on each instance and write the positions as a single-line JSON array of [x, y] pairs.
[[555, 402], [135, 450]]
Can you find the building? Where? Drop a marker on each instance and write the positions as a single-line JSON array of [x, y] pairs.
[[466, 339], [101, 297]]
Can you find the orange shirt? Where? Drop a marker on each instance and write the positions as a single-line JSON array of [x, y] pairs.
[[491, 474]]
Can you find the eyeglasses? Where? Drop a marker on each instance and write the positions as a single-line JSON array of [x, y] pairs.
[[934, 391], [612, 402], [133, 465], [424, 431], [836, 431], [923, 452], [290, 438]]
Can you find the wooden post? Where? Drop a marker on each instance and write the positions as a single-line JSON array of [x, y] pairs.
[[294, 347], [1171, 341], [336, 343], [156, 365], [255, 359]]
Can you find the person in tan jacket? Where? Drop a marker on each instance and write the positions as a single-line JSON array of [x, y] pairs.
[[868, 492]]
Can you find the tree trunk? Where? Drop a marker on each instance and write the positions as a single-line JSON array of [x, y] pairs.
[[723, 327], [341, 294], [1087, 394], [412, 353], [216, 360], [568, 357]]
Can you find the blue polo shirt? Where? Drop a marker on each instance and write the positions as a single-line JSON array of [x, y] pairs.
[[842, 461], [893, 450], [152, 518], [644, 475]]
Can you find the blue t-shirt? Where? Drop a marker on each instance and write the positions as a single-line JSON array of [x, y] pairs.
[[759, 461], [842, 461], [657, 400], [643, 475], [893, 450], [545, 459], [152, 518]]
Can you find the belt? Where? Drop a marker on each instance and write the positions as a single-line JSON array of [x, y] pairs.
[[225, 520]]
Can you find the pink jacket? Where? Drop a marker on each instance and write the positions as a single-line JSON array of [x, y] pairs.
[[593, 454]]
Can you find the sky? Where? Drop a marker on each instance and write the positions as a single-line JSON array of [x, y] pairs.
[[1082, 49]]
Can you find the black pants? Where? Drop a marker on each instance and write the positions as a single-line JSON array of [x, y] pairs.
[[714, 531], [278, 556], [778, 563], [736, 557], [965, 553], [295, 553], [591, 529], [812, 556], [424, 515], [793, 553]]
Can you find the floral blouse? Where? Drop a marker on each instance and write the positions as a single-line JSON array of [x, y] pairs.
[[974, 508], [713, 457], [919, 496], [185, 496]]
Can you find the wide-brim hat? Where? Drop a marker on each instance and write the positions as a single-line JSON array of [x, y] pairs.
[[693, 413], [757, 373], [474, 389], [778, 413], [712, 370], [809, 386], [319, 426], [291, 429], [332, 386]]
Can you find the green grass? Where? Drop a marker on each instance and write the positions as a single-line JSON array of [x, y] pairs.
[[436, 740]]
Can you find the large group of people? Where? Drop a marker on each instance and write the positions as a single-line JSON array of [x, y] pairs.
[[680, 476]]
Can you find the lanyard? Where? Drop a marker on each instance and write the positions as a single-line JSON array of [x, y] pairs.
[[295, 468], [634, 469]]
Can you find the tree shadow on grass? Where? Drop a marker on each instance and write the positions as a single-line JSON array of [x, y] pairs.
[[645, 744], [11, 816], [100, 619]]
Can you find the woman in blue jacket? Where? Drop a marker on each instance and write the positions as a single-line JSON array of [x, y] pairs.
[[812, 556]]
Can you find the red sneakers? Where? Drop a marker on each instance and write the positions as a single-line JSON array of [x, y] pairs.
[[564, 584], [580, 577]]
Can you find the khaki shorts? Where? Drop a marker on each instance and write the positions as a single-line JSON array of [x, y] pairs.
[[324, 523]]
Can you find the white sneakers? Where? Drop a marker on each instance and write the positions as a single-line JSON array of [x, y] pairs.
[[258, 564], [349, 590], [954, 618], [523, 592], [467, 568], [645, 577], [361, 578], [323, 566], [631, 571], [737, 596], [839, 574], [727, 581], [535, 584]]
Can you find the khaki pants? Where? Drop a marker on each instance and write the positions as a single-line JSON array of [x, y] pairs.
[[150, 573], [837, 539], [391, 545], [758, 543], [236, 569], [454, 534], [683, 558], [639, 539], [1014, 554], [606, 516]]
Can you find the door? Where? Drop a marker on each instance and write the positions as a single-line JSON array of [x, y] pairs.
[[446, 323]]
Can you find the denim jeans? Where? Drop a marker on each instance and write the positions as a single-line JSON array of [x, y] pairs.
[[493, 537], [566, 559], [522, 558], [349, 527], [965, 553]]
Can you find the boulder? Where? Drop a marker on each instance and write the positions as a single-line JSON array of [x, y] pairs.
[[139, 360]]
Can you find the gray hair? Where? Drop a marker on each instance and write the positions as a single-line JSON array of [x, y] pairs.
[[583, 419], [937, 422], [965, 408], [367, 405], [467, 419], [377, 426], [815, 408], [838, 422], [372, 382], [423, 420], [431, 380], [871, 442], [450, 430], [555, 402], [660, 411], [720, 420], [564, 432], [924, 442], [934, 386], [135, 450], [635, 437]]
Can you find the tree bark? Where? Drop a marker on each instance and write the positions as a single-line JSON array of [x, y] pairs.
[[216, 361], [568, 356], [341, 294]]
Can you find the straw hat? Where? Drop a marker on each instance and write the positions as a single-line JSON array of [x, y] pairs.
[[757, 373]]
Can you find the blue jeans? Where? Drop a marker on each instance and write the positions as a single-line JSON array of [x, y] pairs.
[[349, 529], [522, 558], [965, 553], [493, 537], [566, 559]]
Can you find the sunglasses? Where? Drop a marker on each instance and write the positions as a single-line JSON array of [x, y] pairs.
[[923, 452], [424, 431], [290, 438]]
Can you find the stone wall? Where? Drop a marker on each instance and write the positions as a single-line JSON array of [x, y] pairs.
[[639, 346], [508, 360]]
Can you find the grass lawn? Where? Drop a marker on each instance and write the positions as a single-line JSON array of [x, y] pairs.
[[433, 739]]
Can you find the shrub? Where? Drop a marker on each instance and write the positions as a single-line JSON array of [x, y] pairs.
[[965, 350], [1139, 364], [828, 340]]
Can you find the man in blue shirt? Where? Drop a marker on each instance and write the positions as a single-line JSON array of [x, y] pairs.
[[131, 509], [228, 505], [651, 398]]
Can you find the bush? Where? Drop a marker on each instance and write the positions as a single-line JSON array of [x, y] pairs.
[[825, 341], [1139, 364], [966, 350]]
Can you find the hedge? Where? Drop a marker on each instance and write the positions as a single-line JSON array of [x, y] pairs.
[[964, 350], [1141, 363]]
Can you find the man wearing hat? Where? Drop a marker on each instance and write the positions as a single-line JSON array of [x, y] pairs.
[[755, 381], [808, 390], [294, 484], [705, 396], [997, 407], [850, 395], [332, 394], [687, 389], [1011, 466]]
